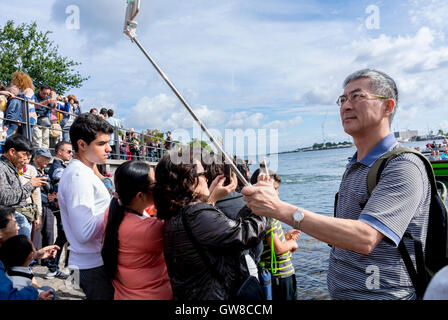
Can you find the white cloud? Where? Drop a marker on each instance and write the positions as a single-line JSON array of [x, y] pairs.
[[243, 120], [410, 54], [166, 112], [429, 12], [285, 124]]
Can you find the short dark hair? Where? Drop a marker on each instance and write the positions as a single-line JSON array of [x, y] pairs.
[[175, 184], [44, 86], [60, 145], [272, 174], [16, 250], [91, 110], [103, 111], [86, 127], [18, 142], [5, 215], [110, 113]]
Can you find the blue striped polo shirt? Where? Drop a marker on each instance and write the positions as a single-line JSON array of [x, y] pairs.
[[399, 203]]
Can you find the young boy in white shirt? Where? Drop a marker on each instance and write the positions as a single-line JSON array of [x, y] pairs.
[[83, 200]]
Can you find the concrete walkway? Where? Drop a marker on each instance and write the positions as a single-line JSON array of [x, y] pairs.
[[65, 289]]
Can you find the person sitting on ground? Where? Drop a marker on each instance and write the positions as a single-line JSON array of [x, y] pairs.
[[133, 245], [17, 253], [8, 229], [277, 250], [182, 191]]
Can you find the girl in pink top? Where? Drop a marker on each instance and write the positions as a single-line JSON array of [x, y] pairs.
[[133, 245]]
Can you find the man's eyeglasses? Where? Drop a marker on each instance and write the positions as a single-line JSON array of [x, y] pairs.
[[357, 97], [69, 151]]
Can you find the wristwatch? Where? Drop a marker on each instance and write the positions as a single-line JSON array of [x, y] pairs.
[[298, 217]]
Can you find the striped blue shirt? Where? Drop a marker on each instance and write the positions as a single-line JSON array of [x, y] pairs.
[[399, 203]]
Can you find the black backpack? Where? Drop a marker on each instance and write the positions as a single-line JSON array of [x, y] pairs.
[[435, 256]]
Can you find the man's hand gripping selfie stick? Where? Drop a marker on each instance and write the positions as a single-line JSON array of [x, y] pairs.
[[130, 27]]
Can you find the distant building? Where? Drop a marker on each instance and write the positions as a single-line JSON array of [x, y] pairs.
[[405, 135]]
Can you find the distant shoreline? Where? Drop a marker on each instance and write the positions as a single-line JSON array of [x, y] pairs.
[[316, 149]]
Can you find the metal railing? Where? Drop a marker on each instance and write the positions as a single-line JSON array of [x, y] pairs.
[[126, 150]]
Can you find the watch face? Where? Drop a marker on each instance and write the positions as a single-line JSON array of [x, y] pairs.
[[298, 215]]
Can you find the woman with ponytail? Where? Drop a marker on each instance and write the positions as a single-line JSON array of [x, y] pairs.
[[133, 246]]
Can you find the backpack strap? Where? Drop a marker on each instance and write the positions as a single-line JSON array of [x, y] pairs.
[[380, 164], [418, 277]]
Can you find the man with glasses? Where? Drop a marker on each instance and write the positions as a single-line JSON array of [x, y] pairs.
[[17, 153], [365, 262]]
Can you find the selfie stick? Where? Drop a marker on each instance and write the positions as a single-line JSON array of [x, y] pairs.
[[130, 27]]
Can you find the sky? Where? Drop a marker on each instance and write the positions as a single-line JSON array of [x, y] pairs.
[[273, 68]]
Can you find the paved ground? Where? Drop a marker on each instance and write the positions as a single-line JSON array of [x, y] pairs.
[[65, 289]]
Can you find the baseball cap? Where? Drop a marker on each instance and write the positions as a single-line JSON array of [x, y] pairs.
[[44, 152]]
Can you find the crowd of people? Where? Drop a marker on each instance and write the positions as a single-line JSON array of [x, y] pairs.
[[181, 231], [51, 115], [439, 151]]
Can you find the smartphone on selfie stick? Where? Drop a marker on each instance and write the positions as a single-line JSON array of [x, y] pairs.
[[227, 173]]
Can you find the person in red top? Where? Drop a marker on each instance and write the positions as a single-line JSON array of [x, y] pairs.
[[133, 246]]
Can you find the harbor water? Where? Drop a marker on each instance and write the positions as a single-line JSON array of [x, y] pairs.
[[311, 180]]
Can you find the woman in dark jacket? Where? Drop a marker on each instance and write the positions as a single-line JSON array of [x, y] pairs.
[[181, 188]]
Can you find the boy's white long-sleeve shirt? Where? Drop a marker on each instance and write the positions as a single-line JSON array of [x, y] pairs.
[[83, 200]]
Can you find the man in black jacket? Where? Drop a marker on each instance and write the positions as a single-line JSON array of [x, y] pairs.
[[64, 152]]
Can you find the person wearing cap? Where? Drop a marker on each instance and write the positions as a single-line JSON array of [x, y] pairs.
[[42, 158]]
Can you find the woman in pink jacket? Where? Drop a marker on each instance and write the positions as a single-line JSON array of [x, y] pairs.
[[132, 246]]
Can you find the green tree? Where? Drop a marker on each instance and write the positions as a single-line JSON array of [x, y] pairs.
[[24, 48], [152, 135], [200, 143]]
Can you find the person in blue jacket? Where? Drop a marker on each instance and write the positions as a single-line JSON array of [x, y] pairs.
[[8, 229]]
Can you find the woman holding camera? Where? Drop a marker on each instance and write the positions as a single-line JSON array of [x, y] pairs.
[[194, 228]]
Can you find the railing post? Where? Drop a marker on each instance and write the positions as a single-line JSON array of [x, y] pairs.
[[117, 144], [27, 120]]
